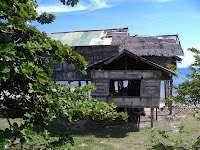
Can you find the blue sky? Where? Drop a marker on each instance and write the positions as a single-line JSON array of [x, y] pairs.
[[142, 17]]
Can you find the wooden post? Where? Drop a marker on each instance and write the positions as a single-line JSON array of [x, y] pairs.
[[118, 86], [79, 83], [138, 122], [126, 110], [170, 102], [152, 117], [156, 113], [69, 82], [166, 83], [88, 93]]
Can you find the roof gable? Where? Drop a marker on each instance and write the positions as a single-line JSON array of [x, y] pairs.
[[117, 56]]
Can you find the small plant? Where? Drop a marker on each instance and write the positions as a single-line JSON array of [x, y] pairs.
[[163, 141]]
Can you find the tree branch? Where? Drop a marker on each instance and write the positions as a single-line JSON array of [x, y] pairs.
[[2, 31], [6, 118]]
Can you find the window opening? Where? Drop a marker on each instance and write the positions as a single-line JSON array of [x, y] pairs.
[[125, 87]]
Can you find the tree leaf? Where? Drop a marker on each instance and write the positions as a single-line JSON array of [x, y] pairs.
[[6, 70]]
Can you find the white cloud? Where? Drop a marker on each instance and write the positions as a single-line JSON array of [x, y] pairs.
[[88, 5], [61, 8], [99, 4], [187, 59], [157, 1], [163, 1]]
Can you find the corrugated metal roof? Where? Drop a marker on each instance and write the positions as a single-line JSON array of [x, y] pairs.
[[91, 37], [163, 45]]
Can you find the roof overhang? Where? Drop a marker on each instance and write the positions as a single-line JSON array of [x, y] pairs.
[[126, 52]]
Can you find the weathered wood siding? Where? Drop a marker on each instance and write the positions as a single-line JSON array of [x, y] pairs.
[[102, 87], [149, 90], [92, 54], [125, 74]]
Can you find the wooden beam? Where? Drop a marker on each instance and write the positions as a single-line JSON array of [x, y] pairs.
[[88, 93], [166, 85], [126, 110], [170, 102], [118, 86], [139, 122], [156, 113], [152, 117], [69, 82]]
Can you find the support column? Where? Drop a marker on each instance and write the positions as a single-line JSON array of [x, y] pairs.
[[88, 93], [79, 83], [118, 86], [138, 122], [170, 102], [69, 82], [152, 117], [126, 110], [156, 113], [166, 85]]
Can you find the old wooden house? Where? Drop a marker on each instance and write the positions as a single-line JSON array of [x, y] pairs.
[[127, 70]]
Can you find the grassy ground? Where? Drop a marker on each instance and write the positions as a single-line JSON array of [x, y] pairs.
[[128, 138]]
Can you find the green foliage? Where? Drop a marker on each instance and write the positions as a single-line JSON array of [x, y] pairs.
[[26, 90], [46, 18], [189, 91], [162, 141], [78, 105], [70, 2]]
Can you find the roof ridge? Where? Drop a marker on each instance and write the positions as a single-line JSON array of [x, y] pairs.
[[89, 30], [154, 35]]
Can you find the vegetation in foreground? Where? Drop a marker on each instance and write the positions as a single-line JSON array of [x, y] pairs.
[[126, 138], [26, 90]]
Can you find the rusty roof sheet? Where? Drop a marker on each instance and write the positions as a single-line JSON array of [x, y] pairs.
[[162, 45], [91, 37]]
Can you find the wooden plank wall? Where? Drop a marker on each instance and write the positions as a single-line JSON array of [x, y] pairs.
[[92, 54], [149, 90]]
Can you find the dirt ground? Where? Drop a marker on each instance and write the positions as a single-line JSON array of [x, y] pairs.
[[162, 114]]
